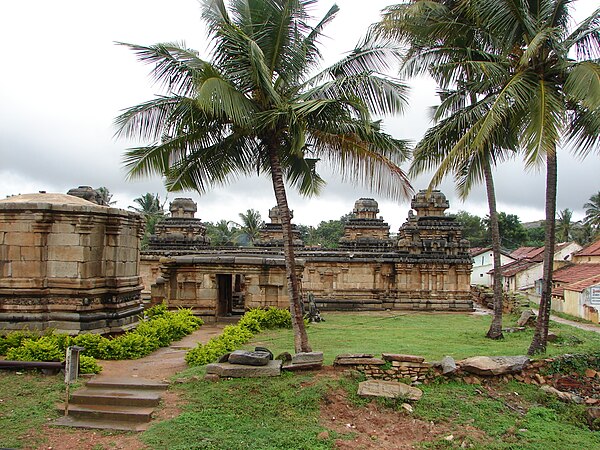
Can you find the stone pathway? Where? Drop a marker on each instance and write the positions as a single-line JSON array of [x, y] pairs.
[[126, 393], [582, 326], [164, 362], [480, 311]]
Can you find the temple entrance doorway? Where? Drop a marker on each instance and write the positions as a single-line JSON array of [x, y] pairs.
[[231, 289]]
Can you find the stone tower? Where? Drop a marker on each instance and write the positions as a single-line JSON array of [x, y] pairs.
[[271, 235], [181, 231], [365, 232]]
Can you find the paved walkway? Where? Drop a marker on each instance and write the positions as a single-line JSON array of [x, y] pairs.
[[164, 362], [582, 326]]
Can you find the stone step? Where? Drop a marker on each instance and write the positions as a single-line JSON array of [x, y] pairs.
[[126, 383], [110, 413], [115, 397], [70, 421]]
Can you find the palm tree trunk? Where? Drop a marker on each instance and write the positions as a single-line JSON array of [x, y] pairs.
[[300, 337], [540, 338], [495, 331]]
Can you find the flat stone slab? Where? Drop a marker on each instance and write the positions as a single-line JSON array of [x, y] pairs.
[[389, 389], [358, 361], [304, 366], [226, 369], [307, 357], [256, 358], [497, 365], [402, 358]]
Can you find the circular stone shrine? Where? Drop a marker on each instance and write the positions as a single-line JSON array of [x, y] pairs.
[[68, 264]]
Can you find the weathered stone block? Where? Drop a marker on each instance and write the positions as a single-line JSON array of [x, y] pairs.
[[272, 369], [389, 389], [340, 361], [307, 357], [249, 358], [498, 365], [402, 358]]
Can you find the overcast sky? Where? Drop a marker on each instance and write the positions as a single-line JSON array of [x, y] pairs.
[[63, 81]]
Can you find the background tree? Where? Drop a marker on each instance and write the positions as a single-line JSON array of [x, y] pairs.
[[257, 105], [592, 211], [473, 229], [584, 233], [512, 232], [150, 207], [222, 233], [564, 225], [535, 236], [249, 228]]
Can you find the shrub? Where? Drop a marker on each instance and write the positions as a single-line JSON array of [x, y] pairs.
[[15, 339], [127, 346], [234, 336], [87, 364], [43, 349], [91, 343], [156, 311]]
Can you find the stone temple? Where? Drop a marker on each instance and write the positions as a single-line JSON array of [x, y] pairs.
[[73, 265], [68, 264], [426, 268]]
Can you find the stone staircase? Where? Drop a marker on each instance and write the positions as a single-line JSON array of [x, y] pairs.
[[113, 404]]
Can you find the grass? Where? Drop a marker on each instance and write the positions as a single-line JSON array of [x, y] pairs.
[[535, 422], [284, 412], [26, 402], [274, 413], [430, 335]]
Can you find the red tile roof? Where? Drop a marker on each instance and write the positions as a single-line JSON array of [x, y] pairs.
[[591, 250], [576, 275], [583, 284], [525, 252], [474, 251], [511, 269]]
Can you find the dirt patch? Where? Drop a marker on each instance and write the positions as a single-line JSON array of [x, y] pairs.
[[373, 426], [75, 439]]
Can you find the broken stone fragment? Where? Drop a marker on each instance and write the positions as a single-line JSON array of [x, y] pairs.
[[528, 317], [564, 396], [497, 365], [246, 358], [448, 365], [389, 389]]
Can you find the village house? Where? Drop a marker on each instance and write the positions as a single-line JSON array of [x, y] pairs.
[[483, 263]]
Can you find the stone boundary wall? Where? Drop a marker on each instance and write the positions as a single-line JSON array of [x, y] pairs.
[[396, 367], [511, 301]]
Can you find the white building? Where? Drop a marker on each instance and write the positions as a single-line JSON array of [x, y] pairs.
[[483, 262]]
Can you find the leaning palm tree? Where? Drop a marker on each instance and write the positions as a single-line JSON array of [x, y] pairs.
[[258, 105], [592, 211], [250, 226], [443, 39], [544, 88], [564, 225]]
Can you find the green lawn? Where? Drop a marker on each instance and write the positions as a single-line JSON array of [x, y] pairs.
[[430, 335], [283, 413]]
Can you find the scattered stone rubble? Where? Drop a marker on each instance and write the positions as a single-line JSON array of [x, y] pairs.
[[260, 363], [512, 301]]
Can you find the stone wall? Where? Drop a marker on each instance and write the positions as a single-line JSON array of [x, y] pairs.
[[68, 264]]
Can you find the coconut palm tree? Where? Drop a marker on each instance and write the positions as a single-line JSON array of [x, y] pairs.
[[152, 209], [564, 225], [258, 105], [592, 211], [443, 39], [547, 87], [250, 226]]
